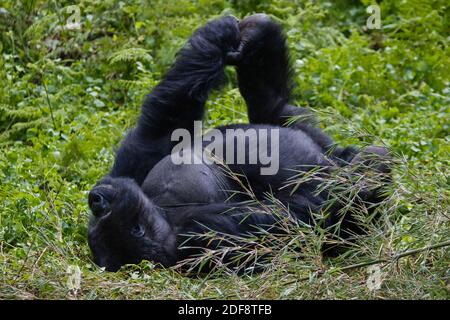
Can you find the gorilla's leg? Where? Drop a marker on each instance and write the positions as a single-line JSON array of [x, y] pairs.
[[179, 99]]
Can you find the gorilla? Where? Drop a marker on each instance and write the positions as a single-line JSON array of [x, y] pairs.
[[151, 208]]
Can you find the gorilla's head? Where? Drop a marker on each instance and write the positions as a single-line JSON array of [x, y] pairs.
[[126, 227]]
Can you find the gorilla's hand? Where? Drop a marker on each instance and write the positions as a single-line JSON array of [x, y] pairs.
[[222, 34], [255, 32]]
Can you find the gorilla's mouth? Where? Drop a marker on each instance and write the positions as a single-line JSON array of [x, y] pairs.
[[100, 199]]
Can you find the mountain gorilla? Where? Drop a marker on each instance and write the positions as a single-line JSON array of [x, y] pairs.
[[149, 208]]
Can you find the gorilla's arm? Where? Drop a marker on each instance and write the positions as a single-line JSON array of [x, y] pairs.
[[220, 225], [264, 72], [265, 82], [178, 100]]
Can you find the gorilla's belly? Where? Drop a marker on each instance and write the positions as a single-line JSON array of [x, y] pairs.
[[169, 184]]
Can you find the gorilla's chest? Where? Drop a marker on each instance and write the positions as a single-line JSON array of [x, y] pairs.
[[173, 181], [172, 184]]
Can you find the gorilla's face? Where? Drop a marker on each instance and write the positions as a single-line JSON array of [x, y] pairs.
[[126, 227]]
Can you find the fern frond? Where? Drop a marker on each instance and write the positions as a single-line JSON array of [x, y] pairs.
[[129, 84], [130, 54], [41, 26], [22, 113], [19, 126]]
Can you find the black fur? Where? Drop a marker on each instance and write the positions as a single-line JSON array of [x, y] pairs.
[[149, 208]]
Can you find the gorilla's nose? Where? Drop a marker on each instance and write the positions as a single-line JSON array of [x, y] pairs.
[[98, 203]]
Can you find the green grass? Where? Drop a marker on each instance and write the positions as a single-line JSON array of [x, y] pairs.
[[68, 96]]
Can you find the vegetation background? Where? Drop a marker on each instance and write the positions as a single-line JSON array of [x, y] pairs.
[[74, 73]]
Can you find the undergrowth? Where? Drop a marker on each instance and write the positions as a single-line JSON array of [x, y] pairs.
[[70, 88]]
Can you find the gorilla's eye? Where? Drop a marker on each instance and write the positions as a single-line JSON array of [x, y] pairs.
[[137, 231]]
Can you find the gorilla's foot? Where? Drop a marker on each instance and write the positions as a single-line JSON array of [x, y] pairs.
[[374, 163], [373, 157]]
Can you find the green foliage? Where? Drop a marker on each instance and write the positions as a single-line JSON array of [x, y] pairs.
[[69, 92]]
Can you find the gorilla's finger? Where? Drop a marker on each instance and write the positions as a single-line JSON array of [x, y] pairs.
[[233, 58]]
